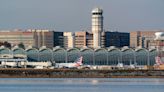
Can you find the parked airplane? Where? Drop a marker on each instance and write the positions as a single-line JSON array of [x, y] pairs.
[[38, 65], [158, 60], [8, 64], [12, 63], [75, 64]]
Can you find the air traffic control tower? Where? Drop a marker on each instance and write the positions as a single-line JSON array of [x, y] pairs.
[[97, 26]]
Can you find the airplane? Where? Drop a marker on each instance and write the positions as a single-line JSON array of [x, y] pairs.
[[38, 65], [8, 64], [75, 64], [158, 61], [13, 63]]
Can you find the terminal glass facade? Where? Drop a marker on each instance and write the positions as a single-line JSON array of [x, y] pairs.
[[101, 56]]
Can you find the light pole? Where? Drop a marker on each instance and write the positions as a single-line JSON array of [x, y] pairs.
[[25, 62], [52, 56], [134, 54], [38, 54], [148, 58], [107, 58], [93, 57], [120, 57], [66, 58]]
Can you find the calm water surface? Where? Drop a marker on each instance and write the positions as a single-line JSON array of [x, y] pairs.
[[81, 85]]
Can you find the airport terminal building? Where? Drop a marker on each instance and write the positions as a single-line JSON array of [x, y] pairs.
[[100, 56]]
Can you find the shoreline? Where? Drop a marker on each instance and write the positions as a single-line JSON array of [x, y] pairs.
[[78, 73]]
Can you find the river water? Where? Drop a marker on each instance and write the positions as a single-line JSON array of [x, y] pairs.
[[81, 85]]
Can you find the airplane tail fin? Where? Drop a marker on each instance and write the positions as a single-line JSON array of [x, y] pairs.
[[158, 60], [79, 61]]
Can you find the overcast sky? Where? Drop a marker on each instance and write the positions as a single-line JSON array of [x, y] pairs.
[[75, 15]]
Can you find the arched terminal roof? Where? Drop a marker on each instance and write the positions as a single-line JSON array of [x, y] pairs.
[[45, 54], [58, 48], [5, 52], [86, 49], [111, 48], [19, 52], [73, 49], [32, 54], [125, 48], [101, 49], [140, 49], [73, 54]]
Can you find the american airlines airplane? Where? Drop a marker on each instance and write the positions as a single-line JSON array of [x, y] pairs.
[[158, 60], [75, 64]]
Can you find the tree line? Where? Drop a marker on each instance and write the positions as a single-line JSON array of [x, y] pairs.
[[8, 45]]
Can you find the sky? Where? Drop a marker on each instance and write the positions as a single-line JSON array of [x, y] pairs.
[[75, 15]]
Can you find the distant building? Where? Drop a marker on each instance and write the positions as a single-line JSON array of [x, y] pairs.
[[47, 38], [143, 39], [16, 37], [89, 40], [33, 37], [58, 39], [68, 40], [43, 38], [117, 39], [80, 39], [83, 39]]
